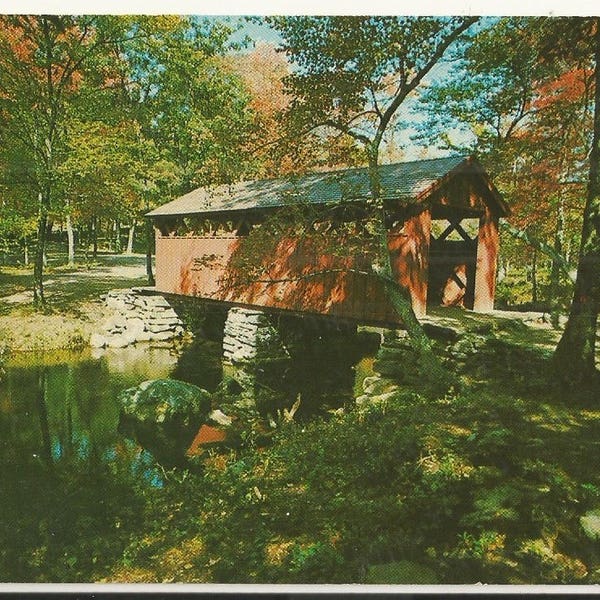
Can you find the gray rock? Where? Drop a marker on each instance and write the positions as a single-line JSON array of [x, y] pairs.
[[144, 336], [115, 303], [120, 341], [164, 415], [379, 398], [162, 336], [97, 341], [138, 318], [162, 400], [157, 328], [590, 522], [169, 321], [135, 325], [377, 385], [362, 400], [155, 302]]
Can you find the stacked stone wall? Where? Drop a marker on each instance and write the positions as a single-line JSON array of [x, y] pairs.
[[137, 317], [248, 335]]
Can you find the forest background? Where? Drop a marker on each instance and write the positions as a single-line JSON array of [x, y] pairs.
[[105, 117]]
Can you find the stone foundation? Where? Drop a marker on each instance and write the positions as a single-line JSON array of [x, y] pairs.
[[248, 336], [137, 317]]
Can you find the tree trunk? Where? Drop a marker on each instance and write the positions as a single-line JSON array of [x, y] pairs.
[[559, 242], [534, 283], [118, 245], [25, 252], [94, 237], [574, 358], [149, 240], [130, 239], [40, 251], [399, 296], [71, 241]]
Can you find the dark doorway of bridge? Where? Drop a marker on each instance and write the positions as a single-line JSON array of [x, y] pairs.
[[452, 261]]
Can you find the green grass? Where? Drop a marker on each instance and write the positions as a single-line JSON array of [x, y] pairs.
[[14, 280], [511, 330], [489, 483], [72, 301]]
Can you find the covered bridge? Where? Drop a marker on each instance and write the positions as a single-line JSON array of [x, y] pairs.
[[442, 219]]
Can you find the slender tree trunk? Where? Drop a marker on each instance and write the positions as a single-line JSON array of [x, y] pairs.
[[94, 237], [40, 251], [149, 240], [534, 282], [559, 242], [130, 238], [25, 251], [71, 241], [118, 245], [575, 355], [399, 296]]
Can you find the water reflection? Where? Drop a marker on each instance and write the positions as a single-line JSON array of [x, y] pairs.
[[73, 489], [63, 407]]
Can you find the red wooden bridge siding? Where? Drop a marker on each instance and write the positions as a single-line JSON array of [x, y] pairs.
[[202, 266], [180, 269]]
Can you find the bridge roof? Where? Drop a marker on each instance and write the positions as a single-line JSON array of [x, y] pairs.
[[405, 181]]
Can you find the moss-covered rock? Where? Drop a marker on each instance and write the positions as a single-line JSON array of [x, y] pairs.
[[164, 416]]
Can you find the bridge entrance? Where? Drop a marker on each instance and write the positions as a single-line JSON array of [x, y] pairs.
[[452, 259]]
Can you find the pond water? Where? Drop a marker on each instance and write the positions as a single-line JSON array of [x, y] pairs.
[[59, 418], [64, 405]]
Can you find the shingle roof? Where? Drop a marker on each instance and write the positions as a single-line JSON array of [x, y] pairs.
[[404, 180]]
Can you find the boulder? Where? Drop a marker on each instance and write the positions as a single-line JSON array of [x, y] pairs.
[[590, 522], [97, 341], [162, 400], [164, 415]]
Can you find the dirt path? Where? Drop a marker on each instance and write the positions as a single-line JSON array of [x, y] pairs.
[[74, 304]]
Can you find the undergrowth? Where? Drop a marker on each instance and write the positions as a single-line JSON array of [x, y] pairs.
[[481, 485]]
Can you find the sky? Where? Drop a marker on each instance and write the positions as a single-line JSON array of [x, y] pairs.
[[400, 141], [258, 32]]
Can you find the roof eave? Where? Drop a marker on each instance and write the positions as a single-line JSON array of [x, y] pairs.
[[473, 165]]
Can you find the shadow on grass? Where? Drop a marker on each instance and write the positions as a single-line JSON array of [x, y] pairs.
[[13, 280], [68, 295], [67, 287]]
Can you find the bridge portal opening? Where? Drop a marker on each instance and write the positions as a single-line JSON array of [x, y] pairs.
[[453, 258]]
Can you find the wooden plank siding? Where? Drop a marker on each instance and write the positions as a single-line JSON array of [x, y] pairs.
[[299, 278], [296, 275]]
